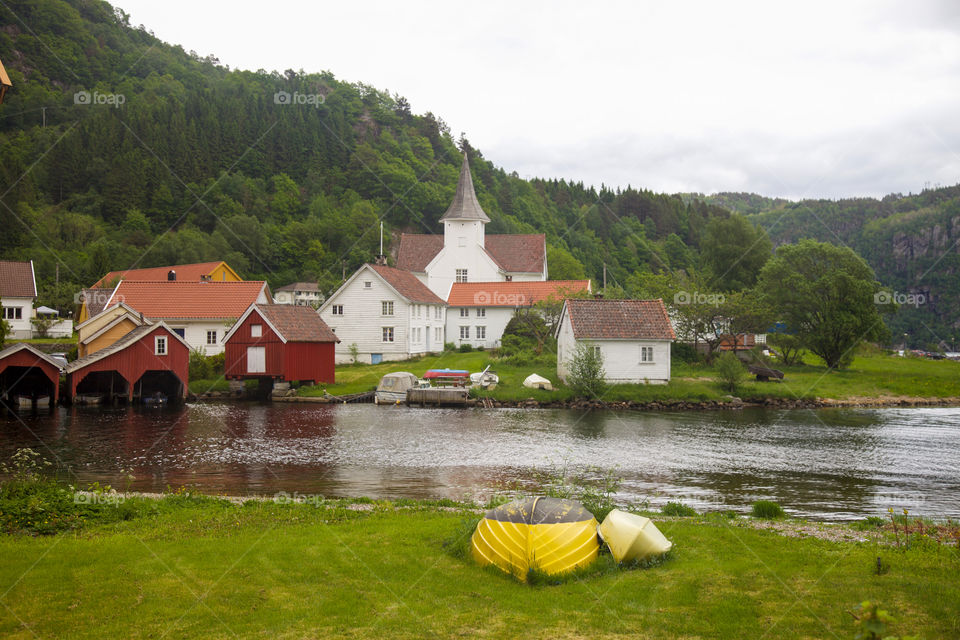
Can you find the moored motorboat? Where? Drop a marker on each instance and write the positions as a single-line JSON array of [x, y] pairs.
[[393, 387]]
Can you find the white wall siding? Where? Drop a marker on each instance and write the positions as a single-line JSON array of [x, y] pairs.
[[20, 329], [195, 333], [494, 321]]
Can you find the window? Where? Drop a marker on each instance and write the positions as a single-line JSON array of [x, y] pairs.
[[509, 278], [481, 333], [256, 330], [437, 312], [12, 313], [337, 309], [367, 284], [211, 337], [462, 241], [481, 312], [388, 334], [439, 334], [160, 345], [597, 351], [646, 354], [461, 275], [464, 333], [464, 312], [386, 308]]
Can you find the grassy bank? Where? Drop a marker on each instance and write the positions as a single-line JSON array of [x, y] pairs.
[[195, 567], [869, 376]]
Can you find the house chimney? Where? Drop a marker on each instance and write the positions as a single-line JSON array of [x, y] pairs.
[[171, 275]]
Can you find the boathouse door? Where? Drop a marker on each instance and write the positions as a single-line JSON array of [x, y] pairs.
[[256, 360]]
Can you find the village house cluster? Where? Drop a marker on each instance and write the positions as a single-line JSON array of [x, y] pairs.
[[136, 328]]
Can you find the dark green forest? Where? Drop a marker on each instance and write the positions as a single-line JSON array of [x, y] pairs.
[[122, 151]]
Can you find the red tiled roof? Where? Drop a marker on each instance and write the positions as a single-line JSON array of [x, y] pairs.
[[417, 250], [518, 253], [185, 272], [620, 319], [297, 324], [407, 285], [523, 253], [16, 280], [182, 299], [512, 294]]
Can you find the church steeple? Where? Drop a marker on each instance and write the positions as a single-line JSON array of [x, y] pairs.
[[465, 205]]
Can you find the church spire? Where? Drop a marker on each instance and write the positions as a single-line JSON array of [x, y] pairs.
[[465, 205]]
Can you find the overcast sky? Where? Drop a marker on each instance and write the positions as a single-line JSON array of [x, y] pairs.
[[820, 99]]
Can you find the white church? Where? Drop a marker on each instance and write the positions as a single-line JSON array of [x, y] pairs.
[[465, 253], [397, 313]]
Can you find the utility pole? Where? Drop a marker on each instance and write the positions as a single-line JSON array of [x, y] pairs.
[[604, 277], [43, 111]]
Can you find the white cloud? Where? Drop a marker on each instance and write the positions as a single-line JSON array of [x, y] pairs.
[[817, 99]]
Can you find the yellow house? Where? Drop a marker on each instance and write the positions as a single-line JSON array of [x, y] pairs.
[[105, 328]]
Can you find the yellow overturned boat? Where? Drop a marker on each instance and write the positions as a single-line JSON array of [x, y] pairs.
[[545, 534]]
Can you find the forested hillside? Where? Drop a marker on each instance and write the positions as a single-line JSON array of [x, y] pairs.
[[200, 162], [910, 241]]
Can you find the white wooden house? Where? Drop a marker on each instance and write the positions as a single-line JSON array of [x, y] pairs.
[[387, 313], [632, 336], [18, 292]]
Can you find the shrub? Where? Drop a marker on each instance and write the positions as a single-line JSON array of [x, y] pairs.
[[199, 367], [767, 509], [586, 375], [465, 348], [449, 346], [730, 371], [677, 509], [684, 352], [354, 349]]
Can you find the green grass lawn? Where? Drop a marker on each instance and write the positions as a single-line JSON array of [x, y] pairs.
[[203, 568], [869, 376]]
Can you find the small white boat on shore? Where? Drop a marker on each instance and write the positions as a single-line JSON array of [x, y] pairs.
[[393, 387]]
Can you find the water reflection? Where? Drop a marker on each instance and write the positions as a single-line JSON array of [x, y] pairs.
[[827, 464]]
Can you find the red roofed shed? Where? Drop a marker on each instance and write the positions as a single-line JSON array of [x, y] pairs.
[[25, 370], [280, 341], [149, 359]]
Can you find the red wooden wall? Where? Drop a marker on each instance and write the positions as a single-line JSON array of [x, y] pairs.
[[291, 361], [24, 358], [137, 358]]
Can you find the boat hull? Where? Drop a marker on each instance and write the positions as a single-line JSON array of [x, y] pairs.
[[545, 534]]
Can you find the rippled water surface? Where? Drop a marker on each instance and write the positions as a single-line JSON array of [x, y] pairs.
[[829, 464]]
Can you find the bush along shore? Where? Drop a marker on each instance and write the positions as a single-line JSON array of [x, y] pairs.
[[101, 563]]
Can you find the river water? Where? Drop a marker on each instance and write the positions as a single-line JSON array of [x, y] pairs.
[[829, 464]]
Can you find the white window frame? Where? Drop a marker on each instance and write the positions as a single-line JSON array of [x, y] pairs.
[[13, 313], [336, 309], [256, 331], [367, 284], [461, 275], [212, 334], [388, 334], [481, 332], [646, 354], [160, 345], [481, 312], [386, 307], [464, 312], [464, 333], [597, 350]]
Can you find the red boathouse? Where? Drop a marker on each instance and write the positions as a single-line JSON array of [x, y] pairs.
[[280, 341], [27, 371], [148, 360]]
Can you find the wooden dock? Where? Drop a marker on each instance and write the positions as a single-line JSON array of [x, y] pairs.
[[438, 396]]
